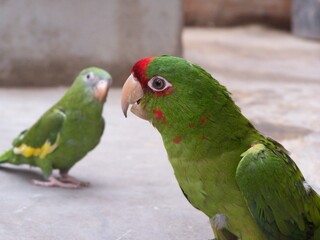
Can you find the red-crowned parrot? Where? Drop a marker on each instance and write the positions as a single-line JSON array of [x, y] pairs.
[[246, 183]]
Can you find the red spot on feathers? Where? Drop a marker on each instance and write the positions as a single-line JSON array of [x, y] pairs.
[[203, 120], [159, 116], [177, 140], [191, 125]]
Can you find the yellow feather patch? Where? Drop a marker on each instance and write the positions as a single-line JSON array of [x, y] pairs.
[[20, 149], [28, 152], [37, 152], [41, 152]]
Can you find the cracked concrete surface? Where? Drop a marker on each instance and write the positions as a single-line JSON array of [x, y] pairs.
[[274, 78]]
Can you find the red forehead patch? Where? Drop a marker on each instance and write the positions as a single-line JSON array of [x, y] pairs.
[[139, 70]]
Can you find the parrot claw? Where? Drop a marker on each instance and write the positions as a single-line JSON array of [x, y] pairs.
[[54, 182], [66, 178]]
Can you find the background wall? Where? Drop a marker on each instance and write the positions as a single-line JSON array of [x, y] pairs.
[[235, 12], [48, 42]]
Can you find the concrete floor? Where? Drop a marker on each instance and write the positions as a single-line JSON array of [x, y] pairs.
[[275, 79]]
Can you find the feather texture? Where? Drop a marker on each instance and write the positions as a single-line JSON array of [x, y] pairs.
[[223, 165]]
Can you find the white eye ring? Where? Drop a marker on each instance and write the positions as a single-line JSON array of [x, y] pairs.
[[158, 83], [89, 76]]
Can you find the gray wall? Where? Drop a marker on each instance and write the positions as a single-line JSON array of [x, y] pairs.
[[45, 42], [235, 12], [306, 18]]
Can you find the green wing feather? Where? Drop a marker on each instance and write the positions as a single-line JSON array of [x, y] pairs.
[[278, 197], [45, 131]]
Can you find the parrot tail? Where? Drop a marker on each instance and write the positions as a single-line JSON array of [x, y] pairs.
[[6, 156]]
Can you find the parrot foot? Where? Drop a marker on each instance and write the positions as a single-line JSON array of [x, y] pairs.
[[54, 182], [66, 178]]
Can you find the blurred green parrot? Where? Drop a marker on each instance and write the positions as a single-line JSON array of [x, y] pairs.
[[246, 183], [66, 132]]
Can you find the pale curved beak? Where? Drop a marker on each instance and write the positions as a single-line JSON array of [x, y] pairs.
[[132, 92], [101, 90]]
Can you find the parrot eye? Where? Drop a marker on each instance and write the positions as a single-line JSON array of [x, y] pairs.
[[90, 76], [158, 83]]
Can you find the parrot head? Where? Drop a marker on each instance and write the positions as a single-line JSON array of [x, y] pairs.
[[171, 92], [95, 81]]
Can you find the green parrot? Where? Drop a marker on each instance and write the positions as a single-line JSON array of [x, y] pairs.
[[66, 132], [246, 183]]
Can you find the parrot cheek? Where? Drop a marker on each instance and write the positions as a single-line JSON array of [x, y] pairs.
[[139, 111]]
